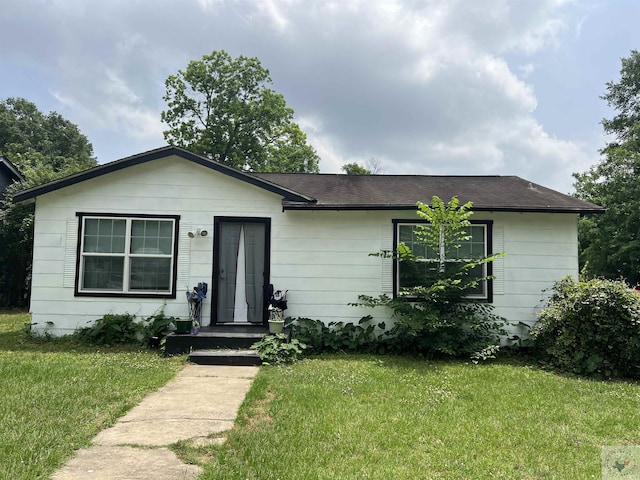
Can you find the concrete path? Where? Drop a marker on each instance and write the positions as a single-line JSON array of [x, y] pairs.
[[201, 400]]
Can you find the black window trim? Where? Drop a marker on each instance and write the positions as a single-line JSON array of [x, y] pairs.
[[489, 249], [144, 216]]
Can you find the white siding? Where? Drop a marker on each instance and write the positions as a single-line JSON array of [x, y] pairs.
[[322, 258]]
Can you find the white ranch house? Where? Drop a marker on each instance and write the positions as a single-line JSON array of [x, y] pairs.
[[133, 235]]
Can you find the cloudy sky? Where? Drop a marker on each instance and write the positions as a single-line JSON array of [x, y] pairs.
[[507, 87]]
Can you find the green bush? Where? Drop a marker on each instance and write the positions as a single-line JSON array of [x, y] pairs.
[[338, 336], [112, 329], [591, 328], [278, 349], [119, 329]]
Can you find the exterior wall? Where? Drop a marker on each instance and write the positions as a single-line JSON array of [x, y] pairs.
[[320, 257], [171, 186]]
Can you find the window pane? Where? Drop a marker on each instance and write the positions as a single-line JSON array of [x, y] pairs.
[[91, 226], [413, 274], [137, 245], [103, 273], [150, 274], [147, 237], [166, 229], [104, 235], [105, 227], [477, 234], [164, 245], [406, 234]]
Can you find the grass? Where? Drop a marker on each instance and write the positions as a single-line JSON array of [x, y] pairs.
[[331, 417], [353, 417], [56, 395]]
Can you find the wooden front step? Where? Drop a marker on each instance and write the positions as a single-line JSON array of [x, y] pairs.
[[225, 357], [235, 337]]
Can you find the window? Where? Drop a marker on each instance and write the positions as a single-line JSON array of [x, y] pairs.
[[476, 246], [127, 255]]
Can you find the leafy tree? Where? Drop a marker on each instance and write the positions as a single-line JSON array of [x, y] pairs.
[[220, 107], [372, 166], [610, 243], [44, 147], [355, 169], [32, 139], [434, 316]]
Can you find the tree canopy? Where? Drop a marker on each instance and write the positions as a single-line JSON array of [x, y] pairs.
[[44, 147], [610, 243], [355, 169], [34, 140], [221, 107]]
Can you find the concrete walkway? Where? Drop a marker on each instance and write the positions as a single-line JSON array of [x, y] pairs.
[[201, 400]]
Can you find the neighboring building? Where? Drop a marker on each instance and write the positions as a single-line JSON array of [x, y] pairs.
[[133, 235], [9, 173]]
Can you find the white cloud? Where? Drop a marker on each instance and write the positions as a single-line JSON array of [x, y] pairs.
[[424, 86]]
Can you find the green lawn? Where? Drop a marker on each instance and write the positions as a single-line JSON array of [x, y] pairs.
[[56, 395], [356, 417], [333, 417]]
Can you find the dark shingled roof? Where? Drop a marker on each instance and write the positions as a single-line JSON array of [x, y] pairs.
[[359, 192], [379, 192]]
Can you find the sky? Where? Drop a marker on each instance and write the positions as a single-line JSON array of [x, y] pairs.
[[433, 87]]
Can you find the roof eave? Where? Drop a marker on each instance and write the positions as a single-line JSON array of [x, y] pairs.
[[289, 195], [12, 168], [515, 209]]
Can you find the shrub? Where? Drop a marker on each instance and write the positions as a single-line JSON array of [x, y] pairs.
[[338, 336], [278, 349], [112, 329], [591, 328], [118, 329]]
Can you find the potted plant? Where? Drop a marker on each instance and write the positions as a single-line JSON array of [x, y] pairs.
[[276, 321]]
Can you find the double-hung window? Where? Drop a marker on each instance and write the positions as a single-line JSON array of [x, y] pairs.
[[127, 255], [476, 245]]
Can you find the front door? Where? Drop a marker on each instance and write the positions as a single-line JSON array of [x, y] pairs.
[[241, 269]]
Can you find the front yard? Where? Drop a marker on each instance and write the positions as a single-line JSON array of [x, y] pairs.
[[56, 395], [388, 417], [339, 416]]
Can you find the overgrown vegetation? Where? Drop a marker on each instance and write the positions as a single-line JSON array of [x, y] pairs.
[[433, 315], [591, 328], [339, 336], [278, 349], [116, 329], [609, 245], [57, 394], [43, 147]]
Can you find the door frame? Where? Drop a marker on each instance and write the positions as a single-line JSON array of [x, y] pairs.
[[217, 222]]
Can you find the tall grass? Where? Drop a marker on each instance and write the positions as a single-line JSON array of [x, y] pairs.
[[55, 395], [348, 417]]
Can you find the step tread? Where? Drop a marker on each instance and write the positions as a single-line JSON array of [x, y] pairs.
[[223, 334], [223, 352]]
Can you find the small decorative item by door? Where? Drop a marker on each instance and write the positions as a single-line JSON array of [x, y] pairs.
[[277, 305], [194, 300]]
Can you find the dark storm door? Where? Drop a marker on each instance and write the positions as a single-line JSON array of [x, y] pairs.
[[241, 269]]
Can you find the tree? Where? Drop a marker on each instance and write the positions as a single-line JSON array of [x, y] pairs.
[[610, 243], [31, 139], [355, 169], [432, 314], [373, 166], [44, 147], [220, 107]]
